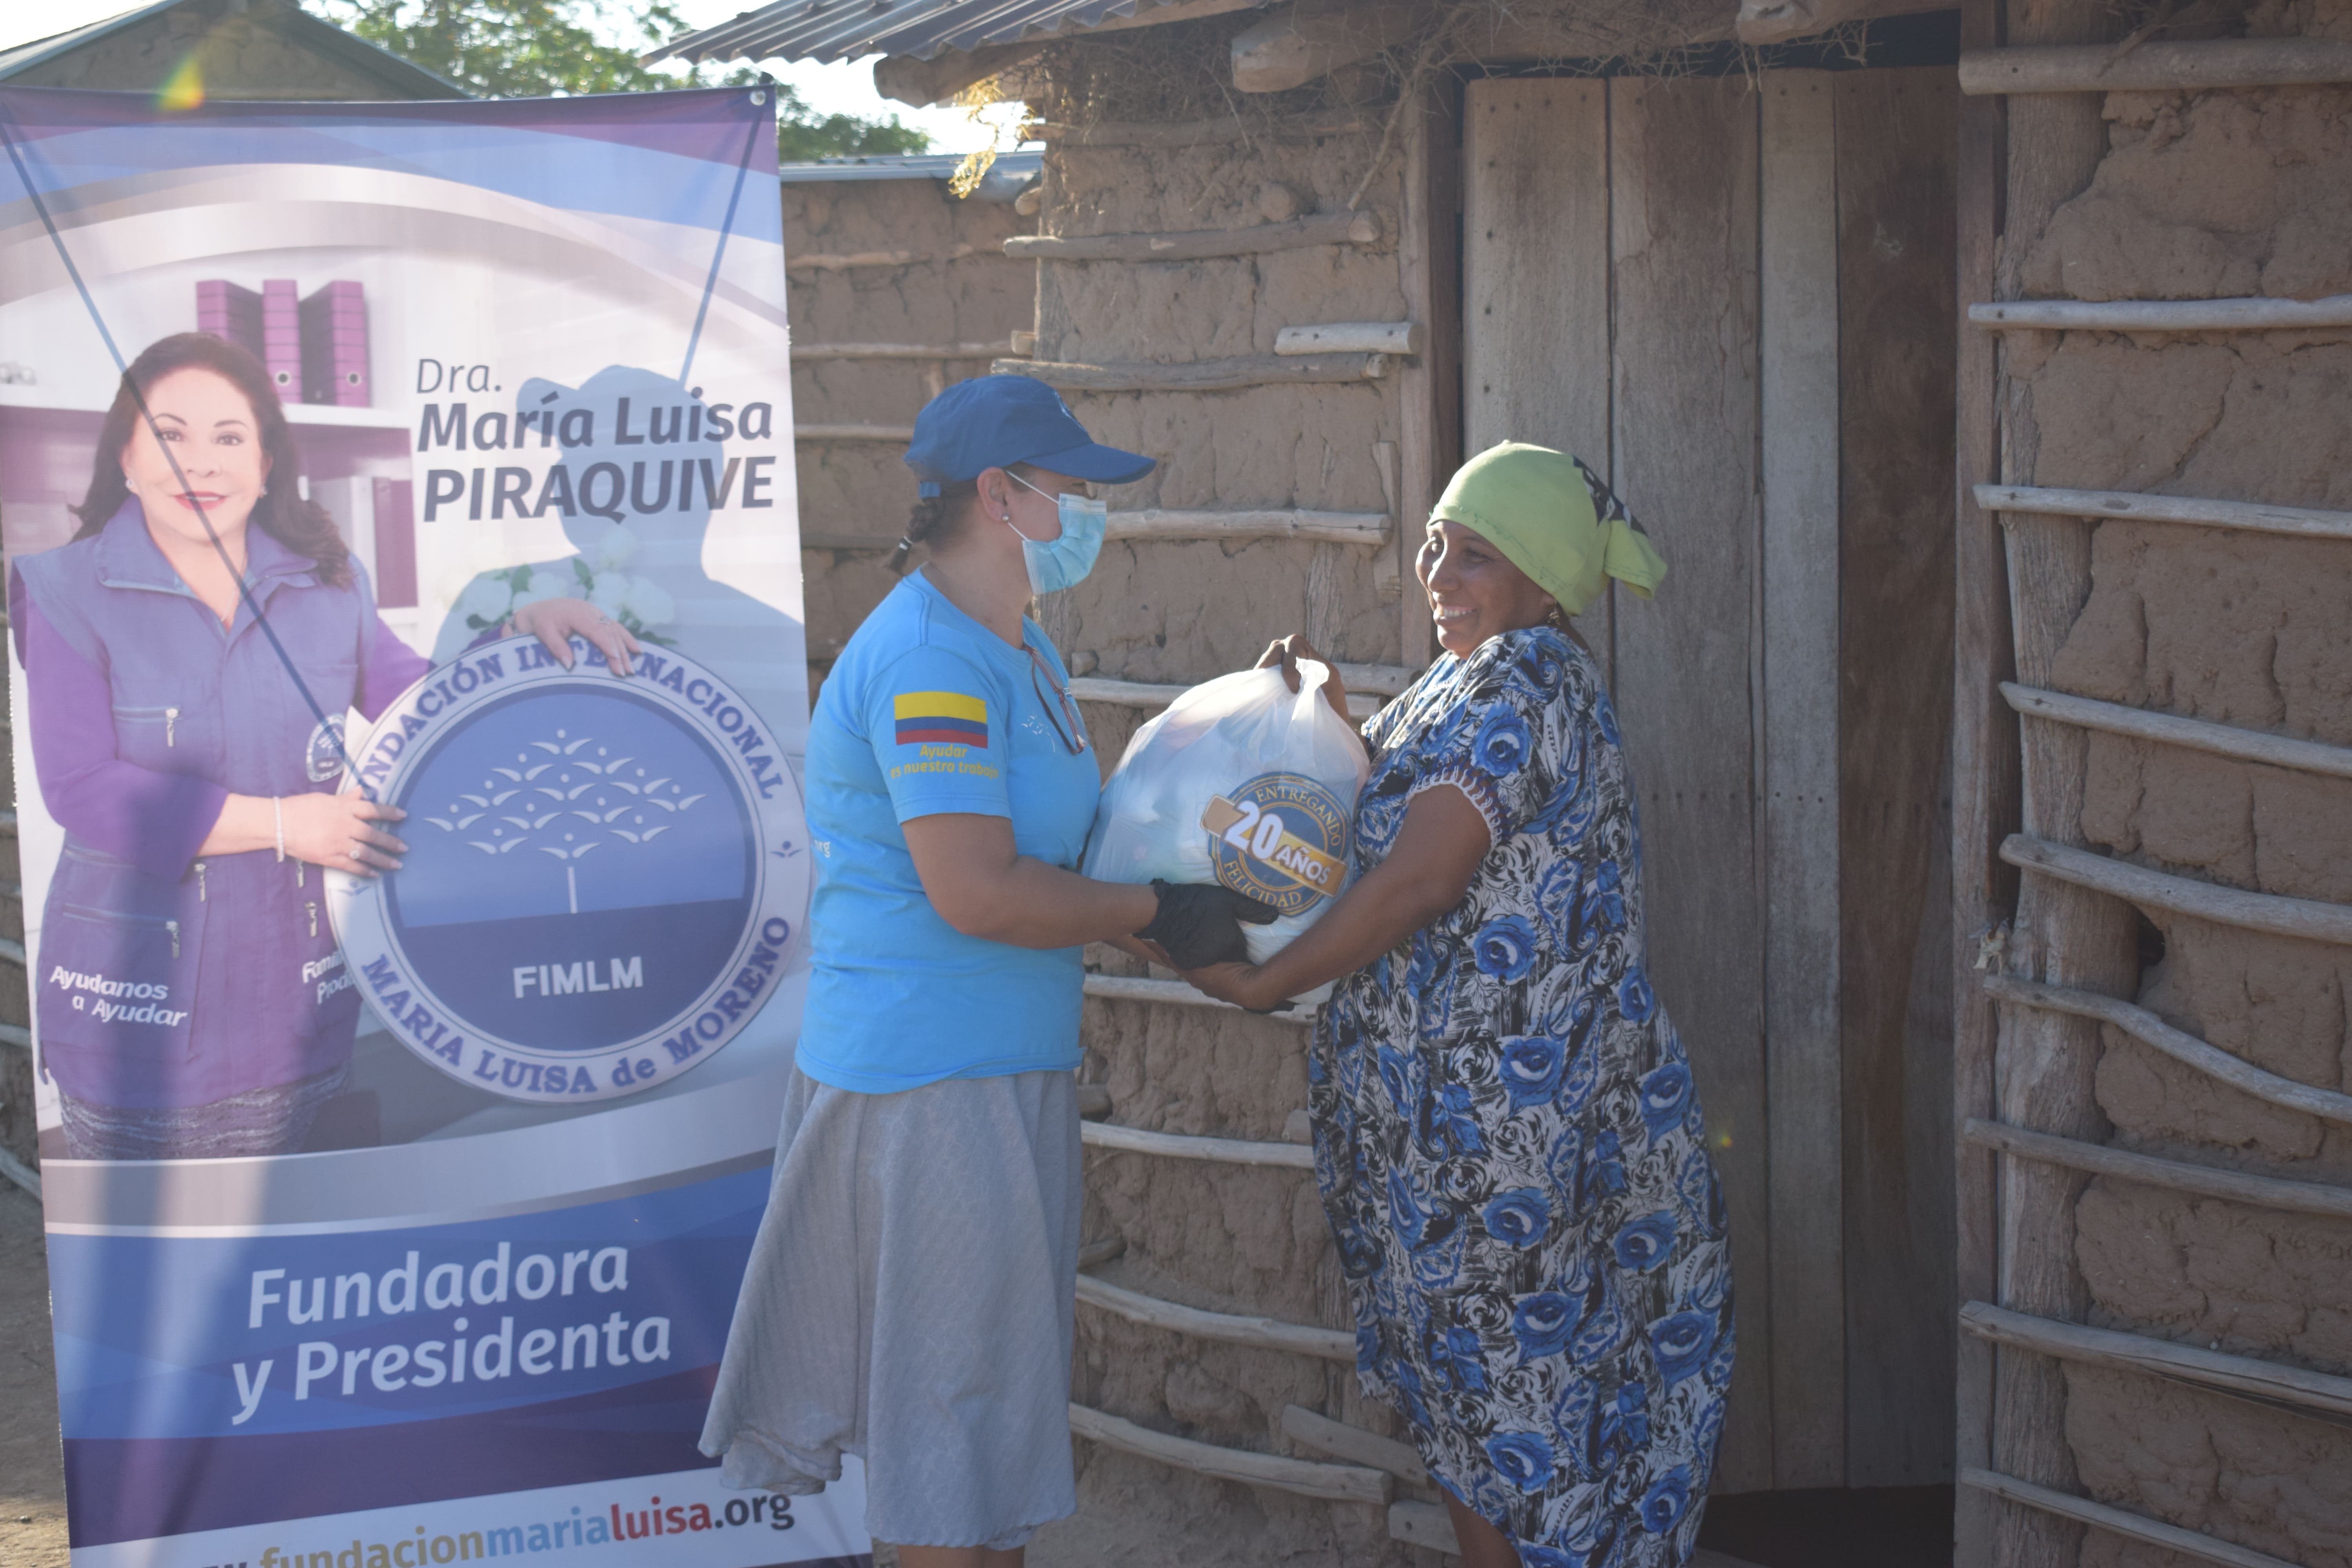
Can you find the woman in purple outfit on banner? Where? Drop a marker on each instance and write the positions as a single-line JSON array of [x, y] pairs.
[[190, 1000]]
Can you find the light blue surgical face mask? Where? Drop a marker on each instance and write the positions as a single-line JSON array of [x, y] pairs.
[[1063, 562]]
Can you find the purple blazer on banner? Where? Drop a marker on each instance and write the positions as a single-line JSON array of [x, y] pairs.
[[169, 978]]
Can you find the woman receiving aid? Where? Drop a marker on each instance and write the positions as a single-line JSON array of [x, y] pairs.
[[910, 1295], [189, 656], [1509, 1150]]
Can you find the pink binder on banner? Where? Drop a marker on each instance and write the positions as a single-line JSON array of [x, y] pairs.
[[230, 313], [281, 337], [335, 346]]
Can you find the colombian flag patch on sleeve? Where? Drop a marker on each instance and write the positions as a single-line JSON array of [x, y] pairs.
[[940, 717]]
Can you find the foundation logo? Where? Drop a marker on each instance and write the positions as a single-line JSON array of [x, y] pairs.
[[1280, 838], [604, 875]]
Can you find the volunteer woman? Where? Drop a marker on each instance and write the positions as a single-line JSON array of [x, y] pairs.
[[190, 999], [1506, 1136], [910, 1295]]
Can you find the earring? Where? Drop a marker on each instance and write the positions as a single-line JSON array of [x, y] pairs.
[[264, 490]]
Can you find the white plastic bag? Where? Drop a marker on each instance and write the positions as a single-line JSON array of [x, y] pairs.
[[1244, 782]]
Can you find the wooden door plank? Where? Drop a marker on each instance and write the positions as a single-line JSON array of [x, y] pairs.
[[1428, 386], [1536, 275], [1896, 137], [1683, 233], [1797, 205]]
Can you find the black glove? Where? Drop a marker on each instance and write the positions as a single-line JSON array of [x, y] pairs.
[[1196, 925]]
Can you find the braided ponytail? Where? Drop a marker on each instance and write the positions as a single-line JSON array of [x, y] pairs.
[[931, 514]]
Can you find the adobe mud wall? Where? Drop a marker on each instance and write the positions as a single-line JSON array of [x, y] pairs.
[[2213, 194], [1244, 1239], [956, 287]]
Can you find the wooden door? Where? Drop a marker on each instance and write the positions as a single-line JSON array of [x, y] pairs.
[[1730, 297]]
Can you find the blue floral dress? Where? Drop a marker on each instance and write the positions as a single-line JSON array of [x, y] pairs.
[[1508, 1142]]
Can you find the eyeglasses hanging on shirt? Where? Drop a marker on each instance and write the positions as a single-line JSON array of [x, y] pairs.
[[1051, 695]]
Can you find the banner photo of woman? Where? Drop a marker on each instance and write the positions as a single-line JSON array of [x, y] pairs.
[[405, 639]]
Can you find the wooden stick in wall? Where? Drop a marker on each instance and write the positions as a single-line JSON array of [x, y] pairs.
[[2194, 734], [818, 352], [899, 433], [1182, 1146], [2180, 1046], [2157, 66], [1338, 1483], [2277, 1381], [2118, 1521], [1354, 1444], [1234, 374], [2164, 315], [2177, 1176], [1347, 337], [1368, 528], [1229, 1327], [2137, 507], [820, 261], [2305, 920], [1359, 227]]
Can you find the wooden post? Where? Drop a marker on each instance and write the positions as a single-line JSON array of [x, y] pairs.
[[1799, 283], [2045, 1067], [1984, 777]]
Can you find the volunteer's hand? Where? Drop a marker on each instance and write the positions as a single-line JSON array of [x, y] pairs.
[[1136, 947], [1286, 653], [1198, 925], [339, 831], [555, 622], [1242, 985]]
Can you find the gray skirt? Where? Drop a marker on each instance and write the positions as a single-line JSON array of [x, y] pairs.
[[910, 1300]]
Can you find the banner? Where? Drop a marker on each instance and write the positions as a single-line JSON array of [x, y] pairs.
[[398, 1220]]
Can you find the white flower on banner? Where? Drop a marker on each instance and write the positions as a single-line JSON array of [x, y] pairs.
[[547, 583], [650, 603], [610, 593], [617, 548], [488, 601]]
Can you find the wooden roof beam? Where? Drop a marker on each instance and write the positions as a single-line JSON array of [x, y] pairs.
[[1308, 39], [1777, 21]]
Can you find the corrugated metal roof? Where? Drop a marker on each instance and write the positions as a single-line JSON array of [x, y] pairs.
[[1006, 178], [847, 29]]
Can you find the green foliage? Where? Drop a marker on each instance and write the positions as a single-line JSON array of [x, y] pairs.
[[537, 49], [801, 137]]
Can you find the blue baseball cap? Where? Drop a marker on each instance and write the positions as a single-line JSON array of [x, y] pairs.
[[996, 421]]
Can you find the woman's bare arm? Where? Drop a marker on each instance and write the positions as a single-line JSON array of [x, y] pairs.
[[1437, 851], [983, 887]]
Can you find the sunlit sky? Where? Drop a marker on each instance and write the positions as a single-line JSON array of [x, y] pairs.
[[844, 88]]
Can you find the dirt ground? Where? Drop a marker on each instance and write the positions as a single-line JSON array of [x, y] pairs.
[[32, 1469]]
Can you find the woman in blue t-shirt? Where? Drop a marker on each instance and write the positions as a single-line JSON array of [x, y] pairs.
[[910, 1295]]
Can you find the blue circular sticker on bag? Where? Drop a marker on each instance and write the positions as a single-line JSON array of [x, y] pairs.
[[603, 876], [1281, 839]]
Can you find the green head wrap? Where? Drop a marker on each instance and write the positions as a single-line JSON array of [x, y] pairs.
[[1553, 519]]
